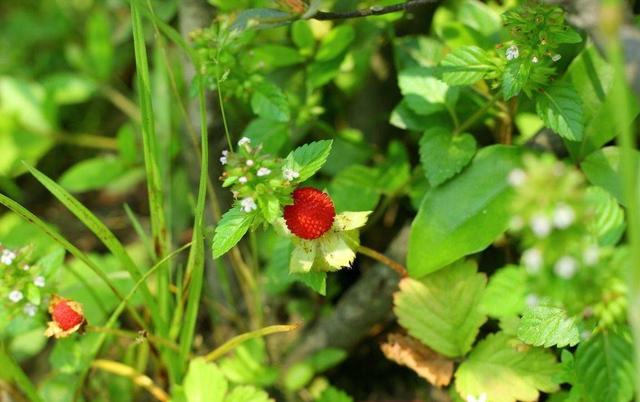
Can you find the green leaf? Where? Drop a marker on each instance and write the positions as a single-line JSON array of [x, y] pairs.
[[257, 18], [336, 42], [270, 102], [68, 88], [604, 365], [443, 155], [466, 65], [515, 77], [355, 179], [465, 215], [423, 92], [441, 309], [99, 47], [204, 382], [247, 393], [548, 326], [316, 281], [272, 135], [302, 35], [309, 158], [270, 56], [506, 293], [92, 174], [609, 225], [507, 372], [321, 72], [405, 118], [332, 394], [249, 365], [603, 168], [233, 225], [560, 108]]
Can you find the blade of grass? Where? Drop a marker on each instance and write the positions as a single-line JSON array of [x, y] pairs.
[[137, 227], [58, 238], [238, 340], [17, 375], [159, 230]]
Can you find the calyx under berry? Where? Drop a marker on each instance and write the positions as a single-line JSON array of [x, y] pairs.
[[67, 317]]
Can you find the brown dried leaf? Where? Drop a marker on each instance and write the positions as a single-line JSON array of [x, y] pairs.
[[427, 363]]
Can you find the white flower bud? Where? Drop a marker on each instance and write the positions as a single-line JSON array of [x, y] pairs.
[[565, 267], [242, 180], [591, 256], [7, 257], [556, 57], [243, 141], [563, 216], [263, 171], [15, 296], [532, 300], [290, 174], [534, 60], [39, 281], [30, 309], [517, 177], [532, 260], [249, 162], [248, 204], [512, 52], [541, 226]]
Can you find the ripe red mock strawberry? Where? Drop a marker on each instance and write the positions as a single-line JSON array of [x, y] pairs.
[[67, 316], [311, 214]]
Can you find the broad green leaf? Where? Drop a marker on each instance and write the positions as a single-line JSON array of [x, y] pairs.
[[548, 326], [480, 17], [560, 107], [604, 366], [316, 281], [309, 158], [268, 101], [302, 35], [441, 309], [423, 92], [248, 365], [68, 88], [336, 42], [270, 56], [92, 174], [247, 393], [204, 382], [514, 78], [405, 118], [320, 73], [466, 65], [417, 51], [298, 375], [26, 103], [272, 135], [350, 147], [609, 225], [443, 155], [332, 394], [233, 225], [355, 179], [394, 173], [99, 47], [506, 371], [603, 168], [464, 215], [506, 293]]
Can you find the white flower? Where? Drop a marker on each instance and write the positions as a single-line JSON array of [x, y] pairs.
[[290, 174], [39, 281], [30, 309], [225, 153], [517, 177], [242, 179], [481, 398], [243, 141], [263, 171], [532, 300], [540, 225], [26, 267], [591, 256], [563, 216], [534, 60], [223, 160], [556, 57], [249, 162], [248, 204], [565, 267], [512, 52], [532, 260], [15, 296], [584, 335], [7, 257]]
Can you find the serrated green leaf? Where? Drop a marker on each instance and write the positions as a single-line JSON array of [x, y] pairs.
[[506, 371], [316, 281], [270, 102], [609, 225], [466, 65], [548, 326], [248, 365], [309, 158], [506, 293], [604, 366], [336, 42], [423, 92], [514, 78], [233, 225], [560, 107], [449, 226], [204, 382], [443, 155], [247, 393], [441, 309]]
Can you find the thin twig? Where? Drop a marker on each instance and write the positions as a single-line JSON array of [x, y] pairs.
[[373, 10], [238, 340], [396, 266], [140, 379]]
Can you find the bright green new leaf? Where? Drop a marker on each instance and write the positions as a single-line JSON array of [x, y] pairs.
[[506, 293], [309, 158], [560, 108], [92, 174], [233, 225], [507, 371], [443, 155], [548, 326], [270, 102], [247, 393], [465, 215], [302, 35], [248, 365], [424, 93], [604, 365], [603, 168], [609, 224], [68, 88], [441, 309], [331, 394], [336, 42], [204, 382], [466, 65]]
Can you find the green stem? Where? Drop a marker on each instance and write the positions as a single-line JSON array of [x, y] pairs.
[[383, 259], [238, 340], [477, 115]]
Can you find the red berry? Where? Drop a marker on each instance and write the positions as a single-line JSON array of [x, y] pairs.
[[311, 214], [66, 316]]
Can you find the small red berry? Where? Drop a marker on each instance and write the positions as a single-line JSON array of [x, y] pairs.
[[311, 214], [66, 316]]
